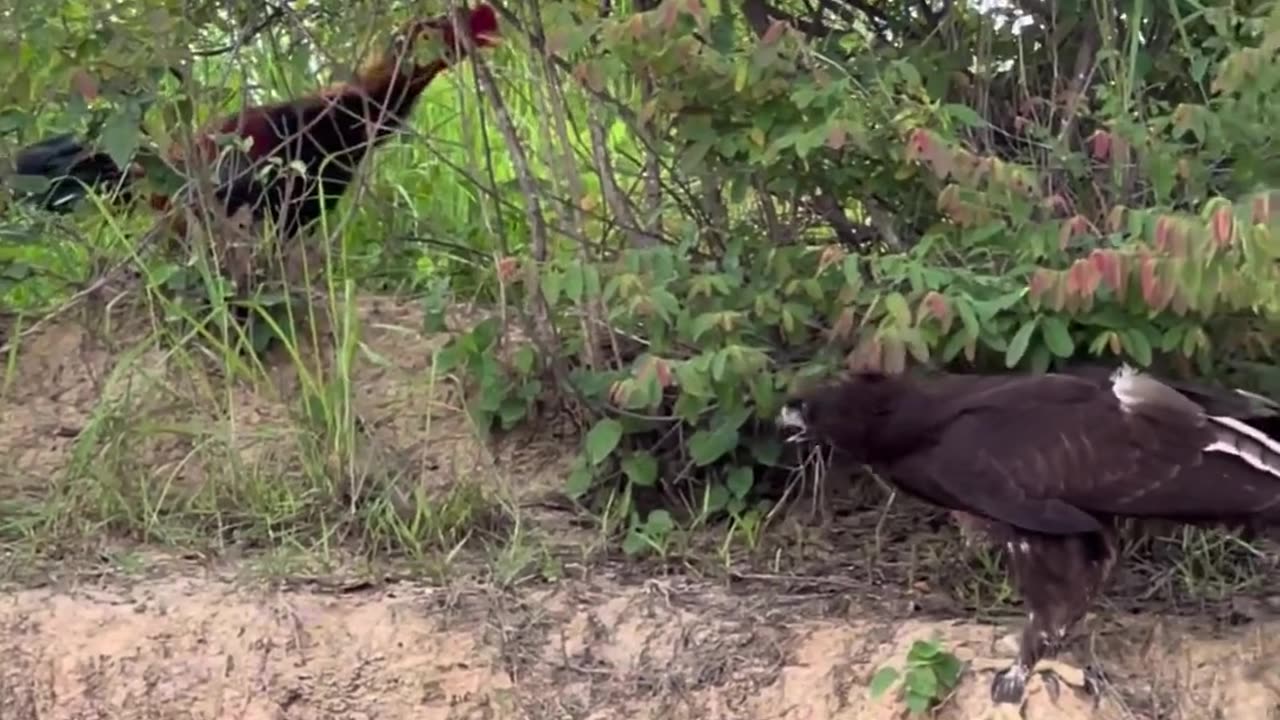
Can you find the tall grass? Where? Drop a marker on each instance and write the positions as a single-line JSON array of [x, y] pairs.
[[165, 453]]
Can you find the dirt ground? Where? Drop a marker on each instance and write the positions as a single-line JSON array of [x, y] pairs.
[[187, 640], [200, 646]]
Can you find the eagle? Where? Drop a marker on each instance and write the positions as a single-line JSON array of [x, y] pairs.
[[1046, 467]]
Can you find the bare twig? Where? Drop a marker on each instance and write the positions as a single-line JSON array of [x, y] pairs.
[[538, 318], [555, 100]]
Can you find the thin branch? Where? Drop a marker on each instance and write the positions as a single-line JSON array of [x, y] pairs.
[[538, 318], [245, 37]]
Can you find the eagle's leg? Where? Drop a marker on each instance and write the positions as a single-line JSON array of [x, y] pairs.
[[1010, 684], [1058, 577]]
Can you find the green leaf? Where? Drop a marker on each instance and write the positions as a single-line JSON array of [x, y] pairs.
[[948, 668], [967, 317], [573, 281], [692, 377], [12, 120], [552, 283], [447, 358], [510, 412], [717, 499], [708, 446], [602, 439], [994, 340], [641, 469], [635, 543], [120, 136], [852, 277], [689, 407], [1135, 343], [923, 650], [702, 324], [740, 481], [1056, 336], [578, 483], [918, 704], [484, 334], [764, 395], [693, 156], [920, 680], [718, 364], [909, 74], [591, 279], [659, 524], [727, 418], [987, 309], [736, 506], [667, 304], [896, 305], [1039, 360], [953, 346], [523, 359], [1018, 346], [884, 679], [722, 34], [964, 114]]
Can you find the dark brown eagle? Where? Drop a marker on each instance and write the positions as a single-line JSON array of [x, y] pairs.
[[1045, 466]]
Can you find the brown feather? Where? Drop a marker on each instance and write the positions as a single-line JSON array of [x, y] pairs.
[[1045, 467]]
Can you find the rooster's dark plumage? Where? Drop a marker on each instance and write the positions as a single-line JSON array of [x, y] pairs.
[[325, 134]]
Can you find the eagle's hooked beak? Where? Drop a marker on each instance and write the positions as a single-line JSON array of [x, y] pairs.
[[792, 417]]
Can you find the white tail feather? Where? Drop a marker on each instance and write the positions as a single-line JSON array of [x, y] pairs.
[[1247, 443]]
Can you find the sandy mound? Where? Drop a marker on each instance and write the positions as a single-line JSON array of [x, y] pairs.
[[199, 647]]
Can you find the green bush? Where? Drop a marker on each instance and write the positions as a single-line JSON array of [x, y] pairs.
[[990, 230]]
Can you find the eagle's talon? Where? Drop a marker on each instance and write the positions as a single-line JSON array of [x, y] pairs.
[[1009, 685], [1095, 679], [1063, 672], [1051, 685]]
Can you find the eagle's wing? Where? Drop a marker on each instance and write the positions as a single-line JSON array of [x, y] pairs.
[[1046, 463], [1052, 466]]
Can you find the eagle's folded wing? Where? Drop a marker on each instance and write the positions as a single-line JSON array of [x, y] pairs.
[[1047, 472], [1061, 469]]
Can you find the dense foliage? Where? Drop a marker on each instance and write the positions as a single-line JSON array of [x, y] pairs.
[[695, 205]]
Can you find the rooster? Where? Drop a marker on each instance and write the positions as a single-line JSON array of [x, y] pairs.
[[325, 134]]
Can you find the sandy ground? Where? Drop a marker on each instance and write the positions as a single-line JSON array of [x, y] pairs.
[[188, 641], [198, 646]]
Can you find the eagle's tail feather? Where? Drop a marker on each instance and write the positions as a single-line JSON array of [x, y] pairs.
[[1235, 437]]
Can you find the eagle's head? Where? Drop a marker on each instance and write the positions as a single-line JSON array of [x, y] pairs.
[[792, 419], [843, 414]]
